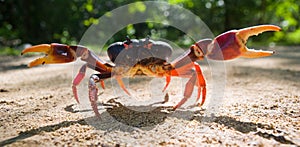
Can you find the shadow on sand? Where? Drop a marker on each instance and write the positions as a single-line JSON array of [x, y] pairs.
[[141, 120]]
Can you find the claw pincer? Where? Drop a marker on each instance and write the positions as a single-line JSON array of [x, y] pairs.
[[232, 44], [55, 53], [146, 57]]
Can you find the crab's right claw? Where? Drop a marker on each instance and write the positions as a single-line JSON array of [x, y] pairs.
[[245, 33], [232, 44], [55, 53]]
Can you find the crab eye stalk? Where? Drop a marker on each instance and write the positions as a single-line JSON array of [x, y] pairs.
[[128, 40], [147, 39]]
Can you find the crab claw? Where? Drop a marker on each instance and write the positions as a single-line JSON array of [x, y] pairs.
[[55, 53], [232, 44]]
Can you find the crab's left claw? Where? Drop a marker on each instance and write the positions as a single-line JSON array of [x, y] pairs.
[[232, 44], [55, 53]]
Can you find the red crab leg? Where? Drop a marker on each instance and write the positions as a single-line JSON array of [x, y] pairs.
[[201, 84], [102, 84], [93, 91], [189, 87], [79, 77], [185, 66], [196, 78], [121, 84], [77, 80], [168, 80]]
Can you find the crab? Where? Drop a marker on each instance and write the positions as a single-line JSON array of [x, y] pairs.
[[146, 57]]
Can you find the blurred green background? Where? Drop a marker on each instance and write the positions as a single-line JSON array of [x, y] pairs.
[[65, 21]]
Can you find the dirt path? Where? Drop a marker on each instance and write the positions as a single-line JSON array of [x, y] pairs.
[[260, 107]]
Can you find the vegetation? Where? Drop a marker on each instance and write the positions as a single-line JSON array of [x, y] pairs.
[[65, 21]]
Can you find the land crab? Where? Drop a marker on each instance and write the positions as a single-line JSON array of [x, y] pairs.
[[146, 57]]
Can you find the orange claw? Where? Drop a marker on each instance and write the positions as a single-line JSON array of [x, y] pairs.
[[55, 53], [232, 44]]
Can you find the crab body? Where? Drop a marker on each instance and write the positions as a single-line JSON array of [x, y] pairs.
[[146, 57], [140, 57]]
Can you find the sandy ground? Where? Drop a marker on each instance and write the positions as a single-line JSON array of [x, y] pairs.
[[259, 107]]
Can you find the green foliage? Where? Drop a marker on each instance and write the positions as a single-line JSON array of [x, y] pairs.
[[9, 51], [46, 21], [287, 15], [137, 7]]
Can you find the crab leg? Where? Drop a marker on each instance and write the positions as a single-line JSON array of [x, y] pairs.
[[186, 67], [102, 84], [201, 83], [196, 79], [168, 80], [121, 84], [189, 87], [77, 80], [93, 90]]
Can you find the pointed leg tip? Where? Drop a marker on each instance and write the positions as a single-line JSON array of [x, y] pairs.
[[126, 91], [98, 116], [200, 104], [76, 98], [174, 108]]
